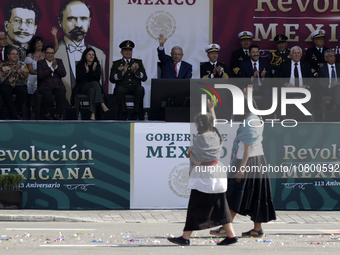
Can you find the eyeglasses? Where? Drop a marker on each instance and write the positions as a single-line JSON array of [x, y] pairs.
[[14, 54], [49, 53], [18, 22]]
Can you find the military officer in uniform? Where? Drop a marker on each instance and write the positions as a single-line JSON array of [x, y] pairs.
[[315, 55], [213, 68], [241, 54], [281, 54], [128, 74]]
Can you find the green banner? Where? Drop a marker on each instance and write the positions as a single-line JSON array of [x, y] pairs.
[[307, 159], [80, 165]]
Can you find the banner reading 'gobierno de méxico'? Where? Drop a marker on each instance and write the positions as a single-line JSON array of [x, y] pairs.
[[69, 166], [160, 171]]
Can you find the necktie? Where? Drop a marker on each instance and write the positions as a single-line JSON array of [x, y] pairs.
[[296, 75], [0, 54], [246, 53], [176, 69], [333, 75], [320, 50], [256, 81], [77, 48]]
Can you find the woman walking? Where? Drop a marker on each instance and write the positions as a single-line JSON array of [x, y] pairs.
[[249, 189], [208, 206]]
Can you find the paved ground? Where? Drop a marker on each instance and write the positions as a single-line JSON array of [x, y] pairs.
[[152, 216], [117, 232]]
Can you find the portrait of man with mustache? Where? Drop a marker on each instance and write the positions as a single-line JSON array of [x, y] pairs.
[[21, 22], [75, 21]]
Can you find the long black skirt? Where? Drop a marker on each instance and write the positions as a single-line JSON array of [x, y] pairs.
[[252, 196], [207, 211]]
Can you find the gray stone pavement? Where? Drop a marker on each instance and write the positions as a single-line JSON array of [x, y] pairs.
[[151, 216]]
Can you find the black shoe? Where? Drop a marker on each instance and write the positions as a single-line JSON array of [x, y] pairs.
[[135, 117], [179, 240], [107, 115], [125, 116], [228, 241]]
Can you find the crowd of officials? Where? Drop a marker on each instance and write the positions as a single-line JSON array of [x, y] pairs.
[[40, 74]]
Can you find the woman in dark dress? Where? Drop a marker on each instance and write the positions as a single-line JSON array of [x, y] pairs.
[[249, 189], [88, 77], [208, 206]]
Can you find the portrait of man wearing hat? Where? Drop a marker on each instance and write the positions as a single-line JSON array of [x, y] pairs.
[[281, 54], [128, 74], [212, 68], [315, 55], [241, 54]]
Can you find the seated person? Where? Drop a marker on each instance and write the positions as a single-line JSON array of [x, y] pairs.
[[128, 73], [13, 80], [50, 71], [173, 67], [88, 77], [212, 68], [330, 85]]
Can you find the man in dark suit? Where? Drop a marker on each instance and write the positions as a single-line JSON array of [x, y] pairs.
[[281, 54], [297, 72], [212, 68], [173, 67], [330, 85], [315, 55], [128, 74], [3, 47], [241, 54], [257, 70], [50, 73]]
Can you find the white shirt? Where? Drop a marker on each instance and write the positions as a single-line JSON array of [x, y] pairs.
[[319, 49], [77, 51], [292, 77], [330, 74], [208, 182], [258, 68], [50, 65], [3, 53], [178, 64]]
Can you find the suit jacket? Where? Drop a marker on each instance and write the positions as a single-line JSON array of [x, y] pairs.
[[207, 69], [235, 62], [5, 52], [247, 69], [45, 77], [286, 67], [82, 77], [70, 78], [129, 78], [168, 67], [324, 73], [315, 58]]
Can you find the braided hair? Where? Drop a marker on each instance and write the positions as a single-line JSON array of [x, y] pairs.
[[206, 123]]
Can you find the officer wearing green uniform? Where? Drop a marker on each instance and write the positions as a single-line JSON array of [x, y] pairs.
[[281, 54], [128, 74]]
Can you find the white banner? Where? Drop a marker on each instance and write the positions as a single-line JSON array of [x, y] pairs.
[[160, 170], [184, 22]]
